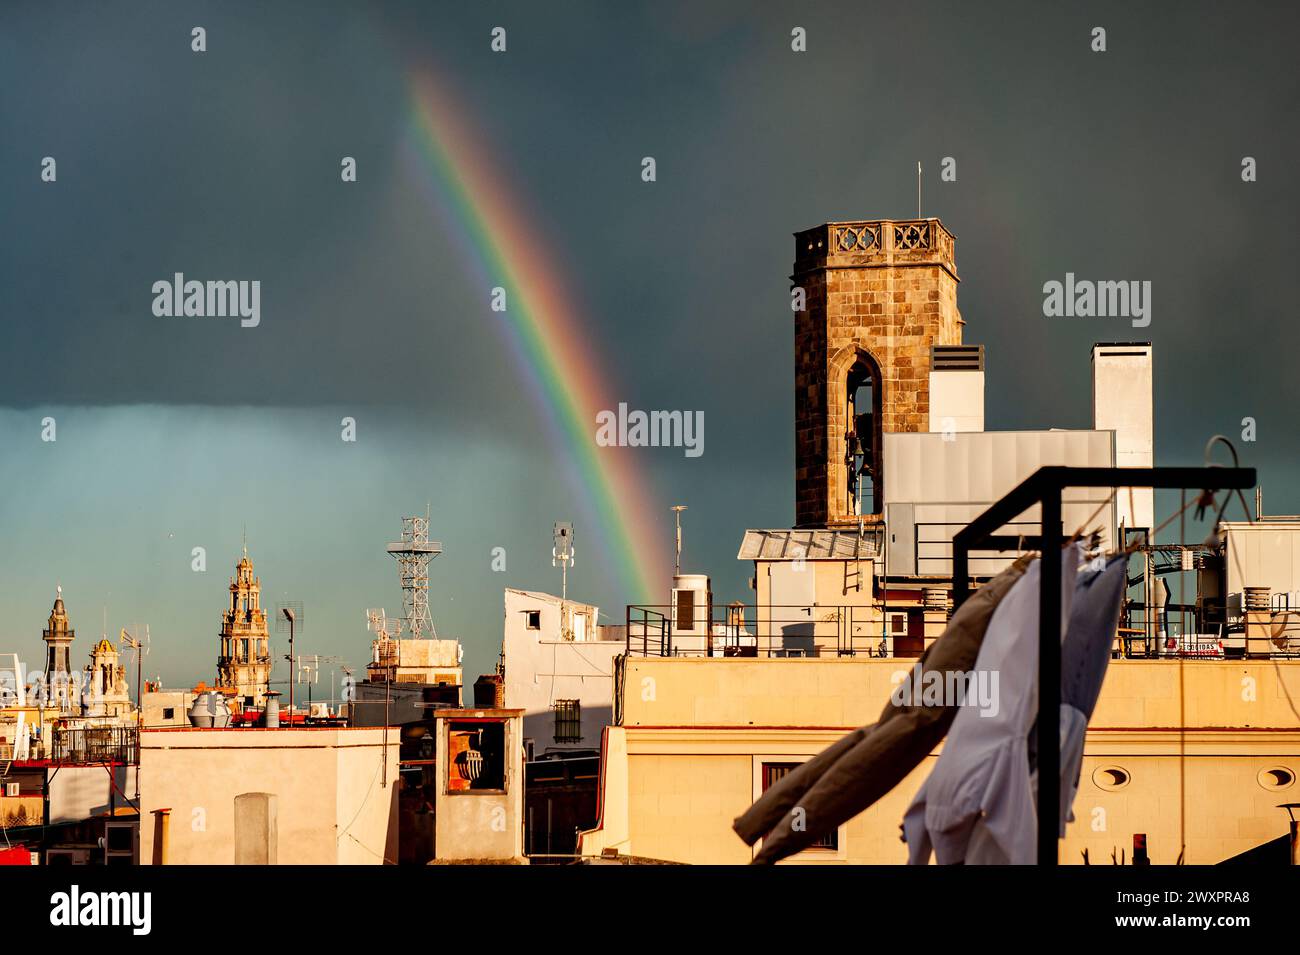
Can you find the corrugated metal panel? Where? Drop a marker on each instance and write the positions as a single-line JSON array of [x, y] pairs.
[[948, 483], [933, 468], [806, 544]]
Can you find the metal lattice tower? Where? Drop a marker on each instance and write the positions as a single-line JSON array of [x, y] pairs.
[[413, 553]]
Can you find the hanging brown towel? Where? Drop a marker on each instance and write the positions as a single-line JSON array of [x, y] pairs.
[[854, 772]]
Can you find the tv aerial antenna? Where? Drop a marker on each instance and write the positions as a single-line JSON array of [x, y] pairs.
[[562, 554], [133, 640]]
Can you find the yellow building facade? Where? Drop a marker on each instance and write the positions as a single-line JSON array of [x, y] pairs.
[[1198, 753]]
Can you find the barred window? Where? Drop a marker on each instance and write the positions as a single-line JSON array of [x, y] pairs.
[[775, 771], [568, 721]]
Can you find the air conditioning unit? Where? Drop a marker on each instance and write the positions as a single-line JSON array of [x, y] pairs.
[[12, 789]]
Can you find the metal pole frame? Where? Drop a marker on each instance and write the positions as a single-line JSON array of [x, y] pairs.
[[292, 674], [1045, 488]]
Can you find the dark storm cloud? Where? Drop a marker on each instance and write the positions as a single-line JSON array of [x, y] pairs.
[[1123, 164]]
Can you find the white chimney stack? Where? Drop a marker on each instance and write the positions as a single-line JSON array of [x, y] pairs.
[[1122, 402], [956, 388]]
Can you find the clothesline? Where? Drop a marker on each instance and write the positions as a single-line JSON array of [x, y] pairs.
[[995, 629]]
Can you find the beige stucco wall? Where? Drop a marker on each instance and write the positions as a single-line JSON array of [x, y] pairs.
[[156, 702], [834, 583], [481, 824], [331, 805], [688, 759]]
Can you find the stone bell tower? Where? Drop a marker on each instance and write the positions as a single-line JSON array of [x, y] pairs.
[[245, 660], [878, 295], [61, 688]]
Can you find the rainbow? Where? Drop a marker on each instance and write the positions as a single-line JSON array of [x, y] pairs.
[[542, 329]]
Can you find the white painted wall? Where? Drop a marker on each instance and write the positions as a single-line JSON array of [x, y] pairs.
[[1262, 554], [79, 792], [957, 400], [542, 667]]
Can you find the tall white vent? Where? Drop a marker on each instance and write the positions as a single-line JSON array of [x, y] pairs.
[[957, 388], [1122, 402]]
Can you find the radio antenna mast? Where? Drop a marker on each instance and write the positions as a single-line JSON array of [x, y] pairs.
[[562, 554], [413, 553], [677, 564]]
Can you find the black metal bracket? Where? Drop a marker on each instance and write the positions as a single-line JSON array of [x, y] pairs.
[[1044, 488]]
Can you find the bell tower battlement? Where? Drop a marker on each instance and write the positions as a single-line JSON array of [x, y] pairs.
[[877, 296]]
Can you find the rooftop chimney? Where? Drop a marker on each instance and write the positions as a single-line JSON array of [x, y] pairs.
[[1122, 402]]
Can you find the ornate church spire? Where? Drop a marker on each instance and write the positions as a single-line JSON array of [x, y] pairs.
[[58, 637], [244, 662]]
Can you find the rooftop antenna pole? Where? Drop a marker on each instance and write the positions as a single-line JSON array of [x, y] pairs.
[[293, 663], [918, 189], [562, 554], [141, 647], [677, 516]]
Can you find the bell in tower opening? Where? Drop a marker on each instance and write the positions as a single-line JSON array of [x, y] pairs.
[[862, 443]]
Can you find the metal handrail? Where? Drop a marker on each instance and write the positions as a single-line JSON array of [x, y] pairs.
[[775, 630]]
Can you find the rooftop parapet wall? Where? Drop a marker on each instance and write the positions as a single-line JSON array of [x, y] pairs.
[[846, 693], [875, 243]]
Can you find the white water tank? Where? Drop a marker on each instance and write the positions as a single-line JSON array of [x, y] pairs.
[[209, 710]]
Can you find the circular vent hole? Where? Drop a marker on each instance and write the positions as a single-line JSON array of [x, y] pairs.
[[1276, 777], [1110, 777]]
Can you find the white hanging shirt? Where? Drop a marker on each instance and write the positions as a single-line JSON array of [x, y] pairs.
[[1084, 658], [977, 805]]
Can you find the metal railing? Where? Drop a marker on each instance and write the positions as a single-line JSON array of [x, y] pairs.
[[770, 630], [1199, 632], [84, 745], [932, 548]]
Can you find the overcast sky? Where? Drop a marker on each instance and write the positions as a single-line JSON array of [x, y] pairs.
[[173, 434]]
